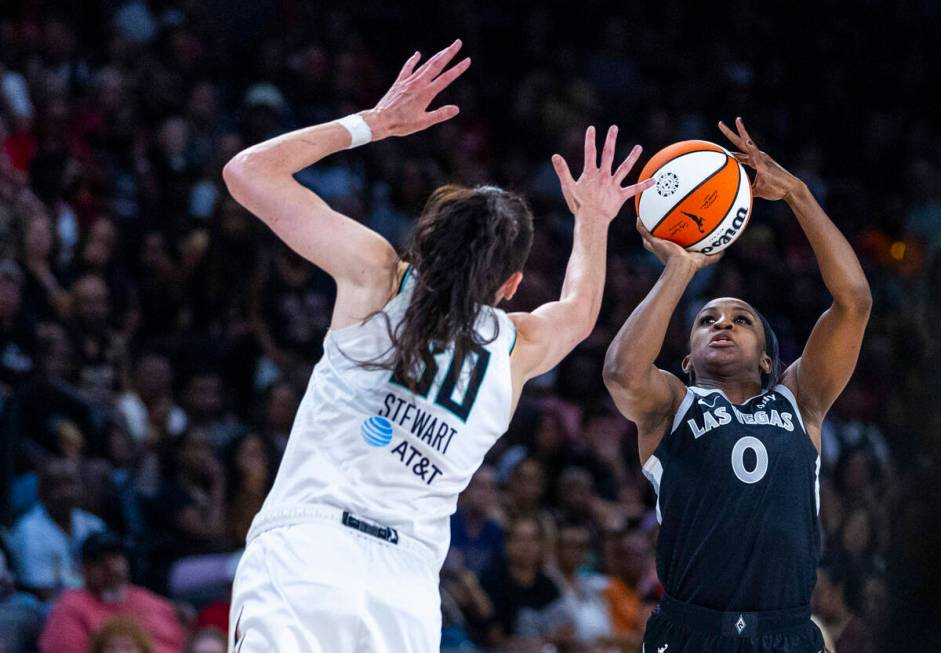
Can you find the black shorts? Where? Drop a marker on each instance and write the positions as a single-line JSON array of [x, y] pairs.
[[677, 627]]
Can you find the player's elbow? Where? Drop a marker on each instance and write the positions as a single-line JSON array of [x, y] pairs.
[[856, 300], [235, 174], [614, 374], [239, 172], [622, 373]]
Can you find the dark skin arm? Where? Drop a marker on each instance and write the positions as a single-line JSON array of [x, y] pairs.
[[645, 394], [818, 377]]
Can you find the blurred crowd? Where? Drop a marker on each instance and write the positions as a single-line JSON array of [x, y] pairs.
[[155, 339]]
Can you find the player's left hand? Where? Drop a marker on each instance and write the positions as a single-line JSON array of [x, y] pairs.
[[772, 182], [598, 191], [403, 109]]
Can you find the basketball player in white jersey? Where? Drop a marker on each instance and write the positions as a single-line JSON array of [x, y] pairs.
[[420, 375]]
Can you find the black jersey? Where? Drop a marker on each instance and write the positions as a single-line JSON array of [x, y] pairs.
[[738, 498]]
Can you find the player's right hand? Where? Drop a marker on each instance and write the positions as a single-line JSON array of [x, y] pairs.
[[403, 109], [598, 192], [667, 251]]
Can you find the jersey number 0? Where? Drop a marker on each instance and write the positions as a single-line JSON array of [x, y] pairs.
[[738, 459]]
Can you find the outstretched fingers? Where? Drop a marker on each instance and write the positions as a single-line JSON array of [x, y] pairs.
[[628, 163], [441, 114], [743, 133], [566, 181], [607, 153], [409, 67], [444, 80], [591, 153], [639, 187], [732, 136], [430, 69]]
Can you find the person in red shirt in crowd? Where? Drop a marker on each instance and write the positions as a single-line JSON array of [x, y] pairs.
[[80, 613]]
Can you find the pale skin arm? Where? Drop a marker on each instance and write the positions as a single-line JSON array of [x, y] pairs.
[[363, 264], [549, 333], [818, 377], [645, 394]]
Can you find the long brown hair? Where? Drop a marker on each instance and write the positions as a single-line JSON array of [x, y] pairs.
[[466, 244]]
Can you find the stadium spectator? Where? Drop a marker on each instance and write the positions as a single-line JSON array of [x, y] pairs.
[[831, 604], [474, 531], [207, 640], [17, 338], [121, 635], [21, 614], [190, 510], [624, 594], [45, 542], [280, 406], [79, 614], [528, 611], [147, 402], [205, 405], [249, 474], [582, 590]]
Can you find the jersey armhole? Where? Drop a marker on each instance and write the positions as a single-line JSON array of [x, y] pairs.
[[404, 281], [681, 412], [403, 284], [786, 392]]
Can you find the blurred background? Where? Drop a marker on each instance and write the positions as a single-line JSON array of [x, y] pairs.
[[155, 339]]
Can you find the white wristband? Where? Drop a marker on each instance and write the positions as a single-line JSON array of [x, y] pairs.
[[358, 129]]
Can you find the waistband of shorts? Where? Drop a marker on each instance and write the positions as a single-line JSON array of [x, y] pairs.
[[346, 520], [733, 624]]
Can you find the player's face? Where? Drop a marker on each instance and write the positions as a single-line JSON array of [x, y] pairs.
[[727, 339]]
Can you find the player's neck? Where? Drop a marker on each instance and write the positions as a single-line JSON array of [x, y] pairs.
[[737, 390]]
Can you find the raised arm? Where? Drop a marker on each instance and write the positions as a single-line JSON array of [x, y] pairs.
[[261, 178], [549, 333], [645, 394], [818, 377]]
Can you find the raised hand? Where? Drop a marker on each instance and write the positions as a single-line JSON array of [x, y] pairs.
[[403, 109], [598, 191], [772, 182], [667, 250]]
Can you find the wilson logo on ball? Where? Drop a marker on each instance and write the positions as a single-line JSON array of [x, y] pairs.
[[703, 197]]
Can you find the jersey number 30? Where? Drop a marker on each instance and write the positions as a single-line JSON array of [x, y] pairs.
[[461, 405], [738, 459]]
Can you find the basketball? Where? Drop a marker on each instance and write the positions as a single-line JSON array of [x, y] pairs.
[[702, 200]]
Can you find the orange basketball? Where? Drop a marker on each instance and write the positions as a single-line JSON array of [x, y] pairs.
[[702, 199]]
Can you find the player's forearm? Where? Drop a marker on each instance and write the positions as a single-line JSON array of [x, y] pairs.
[[583, 287], [290, 153], [840, 268], [638, 343]]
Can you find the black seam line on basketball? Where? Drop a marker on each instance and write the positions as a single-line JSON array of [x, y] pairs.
[[738, 184], [697, 187]]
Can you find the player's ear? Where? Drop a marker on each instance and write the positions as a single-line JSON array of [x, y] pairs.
[[687, 364], [511, 285], [765, 364]]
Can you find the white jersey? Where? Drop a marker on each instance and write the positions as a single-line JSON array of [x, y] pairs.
[[363, 443]]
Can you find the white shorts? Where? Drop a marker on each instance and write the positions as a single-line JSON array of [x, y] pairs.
[[322, 587]]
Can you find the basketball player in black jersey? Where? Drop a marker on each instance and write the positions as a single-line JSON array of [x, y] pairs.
[[734, 457]]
